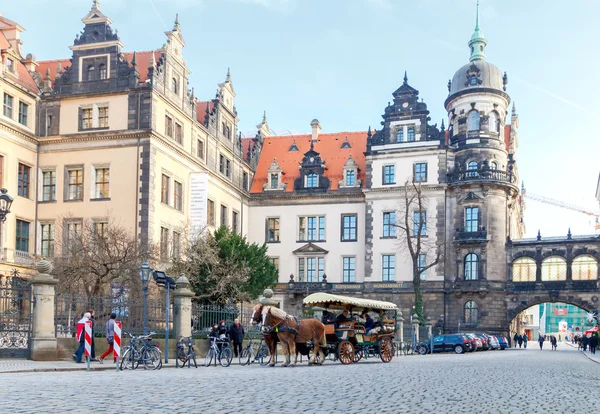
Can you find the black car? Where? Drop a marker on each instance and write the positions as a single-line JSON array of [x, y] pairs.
[[458, 343]]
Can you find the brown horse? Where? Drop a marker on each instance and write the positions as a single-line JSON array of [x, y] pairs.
[[290, 331]]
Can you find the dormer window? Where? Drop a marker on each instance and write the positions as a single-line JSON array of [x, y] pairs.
[[473, 121], [411, 134], [350, 177], [312, 180], [274, 181], [102, 70], [10, 65], [473, 80], [274, 178], [91, 71], [400, 135]]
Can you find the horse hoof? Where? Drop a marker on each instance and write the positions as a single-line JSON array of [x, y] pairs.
[[310, 363]]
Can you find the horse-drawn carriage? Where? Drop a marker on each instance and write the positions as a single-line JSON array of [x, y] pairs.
[[349, 340]]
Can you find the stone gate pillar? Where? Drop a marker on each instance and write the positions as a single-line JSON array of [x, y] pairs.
[[415, 327], [182, 308], [428, 326], [42, 343], [400, 326]]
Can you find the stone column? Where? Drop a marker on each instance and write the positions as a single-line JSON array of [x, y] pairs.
[[42, 343], [428, 326], [400, 326], [182, 308], [415, 326]]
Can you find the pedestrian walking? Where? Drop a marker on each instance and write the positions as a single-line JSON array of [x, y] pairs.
[[516, 339], [525, 339], [520, 340], [585, 342], [553, 342], [236, 334], [81, 337], [593, 344], [541, 340], [110, 338], [558, 337]]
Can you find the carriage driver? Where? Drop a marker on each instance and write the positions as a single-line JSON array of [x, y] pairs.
[[342, 317]]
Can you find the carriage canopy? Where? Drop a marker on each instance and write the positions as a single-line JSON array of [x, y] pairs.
[[329, 301]]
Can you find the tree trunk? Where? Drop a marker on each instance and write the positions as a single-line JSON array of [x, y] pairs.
[[418, 294]]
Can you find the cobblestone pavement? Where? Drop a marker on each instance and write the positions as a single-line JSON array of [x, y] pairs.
[[511, 381]]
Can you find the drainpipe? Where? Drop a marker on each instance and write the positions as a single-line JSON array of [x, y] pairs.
[[137, 175]]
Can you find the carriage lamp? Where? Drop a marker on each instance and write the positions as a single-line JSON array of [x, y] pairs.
[[5, 203], [144, 271]]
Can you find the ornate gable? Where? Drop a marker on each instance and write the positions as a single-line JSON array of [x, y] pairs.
[[312, 173], [310, 249]]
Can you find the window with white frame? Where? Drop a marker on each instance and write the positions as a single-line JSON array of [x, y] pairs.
[[176, 250], [421, 264], [8, 106], [473, 121], [168, 126], [47, 244], [471, 219], [94, 116], [178, 196], [411, 135], [311, 228], [349, 227], [349, 269], [75, 183], [22, 236], [420, 223], [389, 224], [350, 178], [49, 185], [388, 267], [272, 230], [102, 183], [311, 269], [23, 113], [312, 180], [471, 267], [389, 174], [420, 172], [164, 243]]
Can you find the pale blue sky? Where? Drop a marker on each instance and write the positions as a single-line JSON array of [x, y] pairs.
[[340, 60]]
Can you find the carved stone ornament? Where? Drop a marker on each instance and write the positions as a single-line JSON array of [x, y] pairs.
[[476, 72]]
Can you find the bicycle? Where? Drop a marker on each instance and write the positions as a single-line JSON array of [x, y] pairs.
[[409, 349], [183, 357], [141, 350], [222, 353], [252, 353]]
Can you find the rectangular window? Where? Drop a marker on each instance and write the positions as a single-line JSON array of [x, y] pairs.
[[311, 270], [420, 172], [164, 189], [178, 196], [22, 236], [311, 228], [235, 225], [178, 133], [8, 106], [101, 229], [275, 261], [23, 113], [23, 180], [73, 234], [228, 168], [1, 171], [348, 227], [47, 240], [422, 262], [349, 271], [301, 269], [102, 182], [200, 149], [321, 268], [388, 267], [176, 244], [221, 163], [418, 218], [389, 172], [210, 210], [350, 178], [224, 220], [274, 181], [312, 267], [10, 65], [245, 181], [75, 184], [389, 224], [164, 243], [168, 126], [87, 118], [273, 229], [471, 219], [103, 117], [48, 185]]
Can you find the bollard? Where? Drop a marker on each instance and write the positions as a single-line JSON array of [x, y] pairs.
[[88, 343], [117, 342]]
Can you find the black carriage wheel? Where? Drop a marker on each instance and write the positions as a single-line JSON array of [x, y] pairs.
[[346, 352], [386, 349], [358, 354]]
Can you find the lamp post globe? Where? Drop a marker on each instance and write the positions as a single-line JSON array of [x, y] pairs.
[[5, 204], [144, 271]]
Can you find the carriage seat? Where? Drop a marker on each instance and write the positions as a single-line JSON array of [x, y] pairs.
[[329, 329]]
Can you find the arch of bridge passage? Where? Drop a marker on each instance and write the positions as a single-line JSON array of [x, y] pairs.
[[538, 298]]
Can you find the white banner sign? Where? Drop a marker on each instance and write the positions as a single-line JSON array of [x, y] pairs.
[[198, 202]]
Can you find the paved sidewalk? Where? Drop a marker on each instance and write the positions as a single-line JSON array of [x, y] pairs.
[[593, 357], [25, 365]]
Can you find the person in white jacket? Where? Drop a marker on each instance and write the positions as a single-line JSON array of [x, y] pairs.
[[81, 337]]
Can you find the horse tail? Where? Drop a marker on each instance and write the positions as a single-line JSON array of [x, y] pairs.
[[323, 339]]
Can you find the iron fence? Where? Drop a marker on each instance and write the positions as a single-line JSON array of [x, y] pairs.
[[130, 310], [205, 316]]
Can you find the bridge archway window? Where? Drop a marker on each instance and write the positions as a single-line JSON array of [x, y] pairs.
[[523, 270], [554, 268], [473, 121], [471, 267], [584, 267], [471, 313]]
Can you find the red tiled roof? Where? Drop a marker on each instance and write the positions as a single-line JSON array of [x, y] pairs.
[[201, 110], [143, 63], [24, 78], [328, 145], [247, 143]]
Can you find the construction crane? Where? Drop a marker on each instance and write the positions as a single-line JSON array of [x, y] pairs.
[[562, 204]]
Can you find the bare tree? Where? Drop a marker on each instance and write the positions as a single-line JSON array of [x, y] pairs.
[[425, 252], [91, 256]]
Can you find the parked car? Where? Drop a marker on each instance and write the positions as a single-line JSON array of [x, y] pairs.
[[493, 342], [484, 341], [475, 342], [503, 342], [479, 340], [458, 343]]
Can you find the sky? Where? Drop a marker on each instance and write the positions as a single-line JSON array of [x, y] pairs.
[[340, 60]]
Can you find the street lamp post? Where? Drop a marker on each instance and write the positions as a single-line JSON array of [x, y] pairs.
[[168, 283], [144, 271], [5, 203]]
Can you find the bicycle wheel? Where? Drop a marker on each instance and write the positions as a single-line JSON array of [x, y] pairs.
[[225, 357], [181, 358], [408, 349], [151, 358], [264, 357], [130, 360], [209, 357], [245, 356]]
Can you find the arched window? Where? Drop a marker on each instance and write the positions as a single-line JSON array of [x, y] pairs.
[[411, 134], [471, 313], [584, 267], [102, 70], [91, 70], [174, 85], [494, 165], [493, 122], [312, 180], [472, 166], [473, 121], [400, 135], [554, 268], [523, 270], [471, 267], [223, 128]]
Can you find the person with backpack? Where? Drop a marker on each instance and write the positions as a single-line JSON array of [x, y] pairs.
[[110, 338], [541, 340]]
